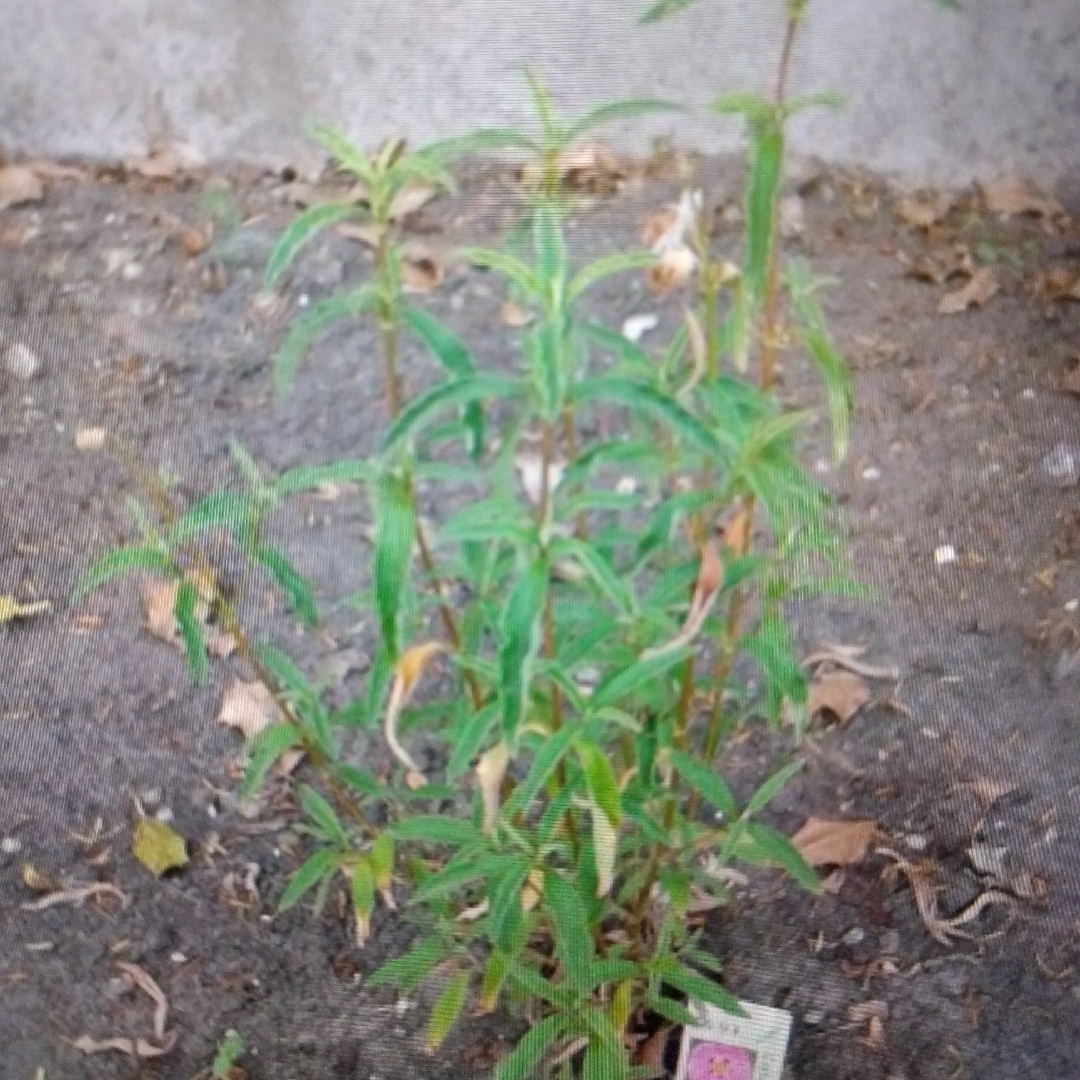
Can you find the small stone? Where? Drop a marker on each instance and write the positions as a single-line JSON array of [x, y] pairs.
[[19, 185], [9, 845], [854, 936], [164, 814], [890, 942], [92, 438], [178, 958], [871, 472], [945, 554], [1072, 605], [814, 1017], [1062, 465], [21, 361]]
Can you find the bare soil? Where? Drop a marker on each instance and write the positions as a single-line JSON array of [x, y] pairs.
[[956, 417]]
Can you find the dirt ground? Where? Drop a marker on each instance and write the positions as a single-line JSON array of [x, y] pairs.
[[962, 438]]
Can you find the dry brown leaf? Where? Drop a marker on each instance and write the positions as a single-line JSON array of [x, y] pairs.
[[651, 1051], [657, 224], [249, 707], [167, 162], [593, 168], [53, 170], [410, 199], [490, 773], [422, 270], [159, 603], [19, 185], [735, 529], [988, 790], [136, 1048], [834, 882], [874, 1039], [363, 234], [923, 209], [842, 693], [140, 979], [77, 895], [673, 270], [1058, 283], [834, 843], [514, 315], [848, 657], [862, 1011], [981, 286], [1010, 196]]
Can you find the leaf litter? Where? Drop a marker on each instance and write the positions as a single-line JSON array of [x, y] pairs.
[[834, 843], [163, 1041]]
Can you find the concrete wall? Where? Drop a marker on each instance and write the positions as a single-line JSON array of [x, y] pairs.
[[932, 94]]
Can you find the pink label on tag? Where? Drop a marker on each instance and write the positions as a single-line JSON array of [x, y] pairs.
[[716, 1061]]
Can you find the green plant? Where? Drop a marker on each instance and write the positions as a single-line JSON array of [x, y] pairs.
[[230, 1050], [588, 596]]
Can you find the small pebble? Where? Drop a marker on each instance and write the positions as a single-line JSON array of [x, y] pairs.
[[916, 842], [945, 554], [21, 361], [1072, 605], [635, 328], [164, 814], [854, 936], [814, 1017], [178, 958], [871, 473], [9, 845]]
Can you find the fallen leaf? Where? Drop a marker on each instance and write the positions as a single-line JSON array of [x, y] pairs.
[[862, 1011], [514, 315], [923, 209], [53, 170], [651, 1051], [19, 185], [166, 162], [988, 790], [249, 707], [848, 657], [164, 1041], [989, 859], [842, 693], [834, 843], [363, 234], [76, 896], [422, 270], [982, 285], [159, 604], [136, 1048], [37, 880], [1010, 196], [1057, 283], [874, 1039], [142, 981], [410, 199], [834, 882], [157, 846]]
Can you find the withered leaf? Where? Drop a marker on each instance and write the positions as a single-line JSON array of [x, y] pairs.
[[157, 846], [842, 693], [980, 287], [834, 843], [19, 185], [249, 707]]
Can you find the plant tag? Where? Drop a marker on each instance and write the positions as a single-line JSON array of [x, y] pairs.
[[725, 1047]]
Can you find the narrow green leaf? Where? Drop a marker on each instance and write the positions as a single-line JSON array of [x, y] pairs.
[[545, 109], [494, 976], [761, 200], [608, 266], [445, 150], [711, 787], [759, 112], [300, 230], [230, 1050], [573, 942], [343, 151], [779, 849], [315, 869], [408, 971], [395, 534], [447, 348], [550, 249], [671, 1010], [604, 1059], [642, 672], [770, 789], [600, 781], [297, 591], [649, 401], [548, 756], [187, 598], [446, 1010], [698, 988], [434, 829], [508, 266], [599, 569], [625, 109], [220, 511], [263, 750], [305, 328], [323, 814], [611, 340], [819, 99], [665, 9], [309, 477], [447, 394], [522, 1061], [471, 738], [125, 560], [362, 887], [360, 781], [520, 643]]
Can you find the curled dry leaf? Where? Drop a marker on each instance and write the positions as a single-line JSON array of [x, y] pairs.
[[710, 578], [658, 224], [19, 185], [366, 234], [137, 1048], [530, 467], [673, 270], [605, 847], [1011, 196], [159, 605], [533, 890], [514, 315], [407, 671], [167, 162], [848, 657], [77, 896], [1058, 283], [923, 209], [981, 286], [834, 843], [410, 199], [249, 707], [490, 773], [842, 693], [422, 269]]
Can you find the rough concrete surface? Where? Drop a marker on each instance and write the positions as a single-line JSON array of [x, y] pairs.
[[934, 95]]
